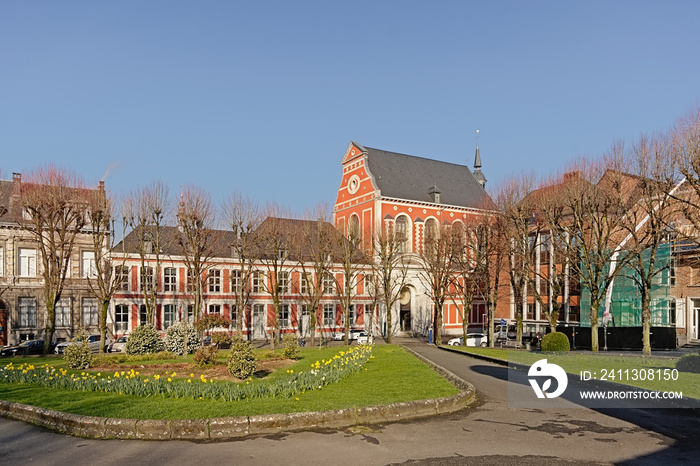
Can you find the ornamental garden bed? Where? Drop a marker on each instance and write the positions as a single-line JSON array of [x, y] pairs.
[[391, 376]]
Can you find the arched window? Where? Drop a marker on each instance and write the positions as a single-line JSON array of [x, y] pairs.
[[354, 227], [458, 238], [431, 230], [402, 236]]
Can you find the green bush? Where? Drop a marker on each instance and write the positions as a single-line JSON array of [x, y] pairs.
[[241, 360], [175, 338], [555, 341], [291, 346], [206, 355], [144, 339], [221, 339], [78, 355], [689, 363]]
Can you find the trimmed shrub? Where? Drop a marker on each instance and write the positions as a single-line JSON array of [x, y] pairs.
[[291, 346], [144, 339], [689, 363], [206, 355], [241, 360], [175, 338], [78, 355], [555, 341], [221, 339]]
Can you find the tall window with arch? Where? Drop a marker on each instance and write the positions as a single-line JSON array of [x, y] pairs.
[[401, 234], [354, 227]]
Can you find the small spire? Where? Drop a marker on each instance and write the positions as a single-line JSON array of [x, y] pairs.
[[480, 178]]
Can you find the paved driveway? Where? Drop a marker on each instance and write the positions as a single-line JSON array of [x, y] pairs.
[[487, 433]]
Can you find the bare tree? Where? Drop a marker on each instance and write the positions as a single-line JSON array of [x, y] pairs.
[[390, 270], [684, 140], [196, 220], [549, 267], [516, 210], [437, 259], [596, 216], [243, 216], [351, 260], [146, 211], [103, 280], [53, 210], [649, 213], [314, 261], [274, 238]]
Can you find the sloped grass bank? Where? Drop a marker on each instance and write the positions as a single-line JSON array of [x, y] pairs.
[[391, 376]]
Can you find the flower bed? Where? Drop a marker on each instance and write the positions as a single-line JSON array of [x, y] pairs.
[[129, 382]]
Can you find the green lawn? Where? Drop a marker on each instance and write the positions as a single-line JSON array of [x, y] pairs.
[[391, 376], [613, 366]]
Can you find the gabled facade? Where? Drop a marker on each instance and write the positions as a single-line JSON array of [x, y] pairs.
[[409, 195], [22, 307]]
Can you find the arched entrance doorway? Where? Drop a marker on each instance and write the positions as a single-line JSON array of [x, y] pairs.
[[405, 309], [3, 323]]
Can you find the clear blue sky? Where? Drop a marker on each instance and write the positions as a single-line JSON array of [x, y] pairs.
[[264, 97]]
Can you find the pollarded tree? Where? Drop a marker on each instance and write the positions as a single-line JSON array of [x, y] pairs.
[[274, 239], [648, 217], [594, 202], [146, 211], [437, 258], [348, 254], [390, 268], [101, 273], [196, 220], [243, 216], [53, 204], [314, 257], [516, 211]]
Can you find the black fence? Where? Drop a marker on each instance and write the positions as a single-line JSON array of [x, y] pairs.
[[620, 338]]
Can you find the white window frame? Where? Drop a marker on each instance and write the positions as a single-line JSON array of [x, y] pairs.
[[169, 310], [284, 282], [235, 281], [89, 313], [214, 281], [26, 310], [62, 313], [88, 265], [26, 264], [122, 276], [121, 324], [304, 284], [258, 281], [329, 321], [214, 309], [328, 283], [285, 322], [170, 279], [147, 276]]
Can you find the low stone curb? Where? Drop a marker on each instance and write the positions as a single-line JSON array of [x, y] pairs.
[[236, 427]]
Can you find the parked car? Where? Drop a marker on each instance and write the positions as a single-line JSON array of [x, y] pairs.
[[93, 342], [118, 346], [364, 339], [473, 339], [353, 334], [25, 348], [505, 332]]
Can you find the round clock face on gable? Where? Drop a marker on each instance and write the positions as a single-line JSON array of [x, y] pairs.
[[353, 184]]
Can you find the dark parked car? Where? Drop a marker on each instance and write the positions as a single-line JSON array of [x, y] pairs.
[[26, 347]]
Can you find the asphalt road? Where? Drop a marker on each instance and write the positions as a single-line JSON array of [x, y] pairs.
[[487, 433]]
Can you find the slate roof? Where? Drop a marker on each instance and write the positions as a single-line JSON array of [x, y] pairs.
[[409, 177]]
